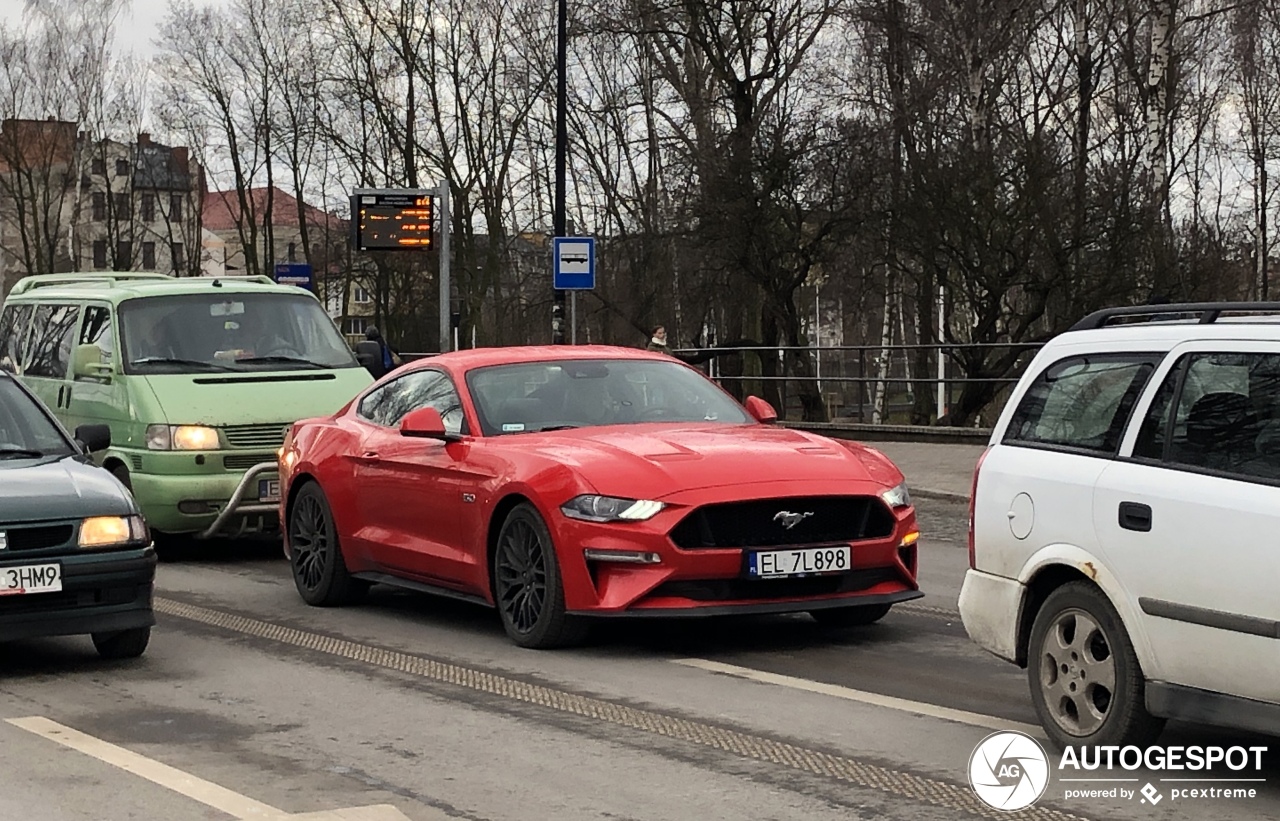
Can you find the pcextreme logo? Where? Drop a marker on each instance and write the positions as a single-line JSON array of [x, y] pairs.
[[1009, 770]]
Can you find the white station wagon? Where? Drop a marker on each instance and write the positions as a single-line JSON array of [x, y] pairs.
[[1124, 536]]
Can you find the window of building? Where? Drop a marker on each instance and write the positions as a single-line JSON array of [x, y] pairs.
[[123, 209], [86, 183], [356, 325], [122, 168], [99, 206], [149, 256], [148, 207], [124, 255], [179, 258], [99, 254], [292, 253], [98, 166], [361, 296], [175, 207]]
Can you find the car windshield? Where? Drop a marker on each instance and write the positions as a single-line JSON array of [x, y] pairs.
[[26, 432], [210, 332], [589, 392]]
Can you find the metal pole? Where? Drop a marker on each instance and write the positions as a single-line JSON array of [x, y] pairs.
[[942, 360], [443, 193], [562, 147], [573, 317]]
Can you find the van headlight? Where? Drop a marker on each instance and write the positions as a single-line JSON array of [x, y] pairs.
[[182, 437], [113, 531]]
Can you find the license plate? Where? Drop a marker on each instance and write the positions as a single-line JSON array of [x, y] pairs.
[[811, 561], [269, 490], [30, 578]]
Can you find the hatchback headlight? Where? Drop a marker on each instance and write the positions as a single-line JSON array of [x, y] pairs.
[[594, 508], [182, 437], [113, 531], [898, 497]]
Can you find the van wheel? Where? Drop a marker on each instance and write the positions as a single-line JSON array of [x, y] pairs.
[[122, 474], [126, 644], [1086, 684]]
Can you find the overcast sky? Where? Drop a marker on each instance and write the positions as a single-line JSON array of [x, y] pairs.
[[136, 29]]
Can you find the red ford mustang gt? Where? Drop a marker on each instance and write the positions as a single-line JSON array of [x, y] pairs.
[[557, 483]]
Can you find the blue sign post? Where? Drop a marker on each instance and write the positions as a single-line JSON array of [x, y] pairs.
[[294, 273], [573, 270]]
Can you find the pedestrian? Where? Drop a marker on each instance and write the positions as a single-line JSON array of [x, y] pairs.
[[658, 341], [388, 358]]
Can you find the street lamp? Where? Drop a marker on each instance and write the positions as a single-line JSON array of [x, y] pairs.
[[562, 148]]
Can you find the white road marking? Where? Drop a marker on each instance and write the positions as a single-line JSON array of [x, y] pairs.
[[874, 699], [197, 789]]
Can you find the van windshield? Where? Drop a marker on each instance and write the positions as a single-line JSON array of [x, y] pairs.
[[203, 333]]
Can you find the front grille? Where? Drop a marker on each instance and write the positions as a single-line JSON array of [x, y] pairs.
[[760, 523], [740, 589], [38, 537], [256, 436], [244, 461]]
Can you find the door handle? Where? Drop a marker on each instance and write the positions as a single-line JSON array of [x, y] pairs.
[[1135, 516]]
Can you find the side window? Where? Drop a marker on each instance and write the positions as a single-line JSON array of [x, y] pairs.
[[53, 334], [1082, 402], [14, 321], [387, 405], [96, 330], [1226, 417]]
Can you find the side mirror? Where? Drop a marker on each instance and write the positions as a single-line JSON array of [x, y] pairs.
[[761, 410], [93, 438], [368, 354], [86, 363], [425, 423]]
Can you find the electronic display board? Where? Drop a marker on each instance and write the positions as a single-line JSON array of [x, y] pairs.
[[392, 220]]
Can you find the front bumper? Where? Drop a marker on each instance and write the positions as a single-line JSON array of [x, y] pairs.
[[101, 593], [232, 499], [990, 608]]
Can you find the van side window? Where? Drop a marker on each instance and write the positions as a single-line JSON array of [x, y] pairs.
[[96, 330], [1081, 403], [14, 321], [53, 334]]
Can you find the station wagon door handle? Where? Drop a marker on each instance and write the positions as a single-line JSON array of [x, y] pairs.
[[1135, 516]]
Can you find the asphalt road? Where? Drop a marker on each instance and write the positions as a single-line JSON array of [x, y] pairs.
[[249, 704]]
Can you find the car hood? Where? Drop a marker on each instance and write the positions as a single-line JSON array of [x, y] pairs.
[[62, 489], [254, 398], [653, 461]]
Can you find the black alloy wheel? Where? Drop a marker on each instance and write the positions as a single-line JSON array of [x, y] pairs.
[[528, 587], [315, 557]]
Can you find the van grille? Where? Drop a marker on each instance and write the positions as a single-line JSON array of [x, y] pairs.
[[244, 461], [256, 436]]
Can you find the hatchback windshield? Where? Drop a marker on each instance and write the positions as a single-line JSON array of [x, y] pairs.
[[583, 393], [197, 333], [25, 431]]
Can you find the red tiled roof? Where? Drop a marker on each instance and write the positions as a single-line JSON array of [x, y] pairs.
[[222, 210]]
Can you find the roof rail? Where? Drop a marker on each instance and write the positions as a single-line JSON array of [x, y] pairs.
[[34, 281], [1209, 312], [262, 278]]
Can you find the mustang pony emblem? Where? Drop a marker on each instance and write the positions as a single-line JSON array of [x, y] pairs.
[[789, 519]]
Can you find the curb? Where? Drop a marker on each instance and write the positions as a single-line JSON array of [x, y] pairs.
[[942, 495]]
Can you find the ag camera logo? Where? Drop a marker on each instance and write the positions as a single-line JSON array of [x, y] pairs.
[[1009, 770]]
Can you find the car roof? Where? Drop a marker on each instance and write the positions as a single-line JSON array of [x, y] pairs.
[[117, 287], [472, 358], [1164, 336]]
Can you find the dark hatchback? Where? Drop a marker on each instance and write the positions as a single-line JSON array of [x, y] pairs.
[[75, 553]]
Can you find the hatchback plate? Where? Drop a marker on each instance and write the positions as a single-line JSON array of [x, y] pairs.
[[30, 578]]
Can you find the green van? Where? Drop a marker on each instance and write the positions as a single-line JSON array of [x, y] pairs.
[[197, 377]]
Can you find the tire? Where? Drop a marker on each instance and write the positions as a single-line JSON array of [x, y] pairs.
[[528, 588], [857, 616], [1086, 683], [122, 475], [125, 644], [315, 554]]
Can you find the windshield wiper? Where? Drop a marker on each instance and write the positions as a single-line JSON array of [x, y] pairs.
[[170, 360], [20, 453], [565, 426], [291, 360]]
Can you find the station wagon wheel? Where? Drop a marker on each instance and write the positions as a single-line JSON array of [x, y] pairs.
[[315, 555], [528, 588], [1086, 683]]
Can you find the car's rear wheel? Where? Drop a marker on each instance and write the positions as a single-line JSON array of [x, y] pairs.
[[124, 644], [315, 554], [857, 616], [1086, 683], [528, 586]]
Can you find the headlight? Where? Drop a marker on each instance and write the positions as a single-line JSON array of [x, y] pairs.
[[182, 437], [111, 531], [610, 509], [898, 497]]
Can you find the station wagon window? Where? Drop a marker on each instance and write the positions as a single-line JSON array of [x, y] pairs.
[[1081, 403], [13, 337], [388, 404], [96, 330], [53, 334], [1226, 417]]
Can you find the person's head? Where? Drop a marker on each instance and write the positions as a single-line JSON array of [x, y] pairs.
[[660, 333], [372, 333]]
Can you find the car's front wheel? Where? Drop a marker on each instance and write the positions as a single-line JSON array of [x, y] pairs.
[[315, 555], [124, 644], [1086, 684], [856, 616], [528, 587]]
